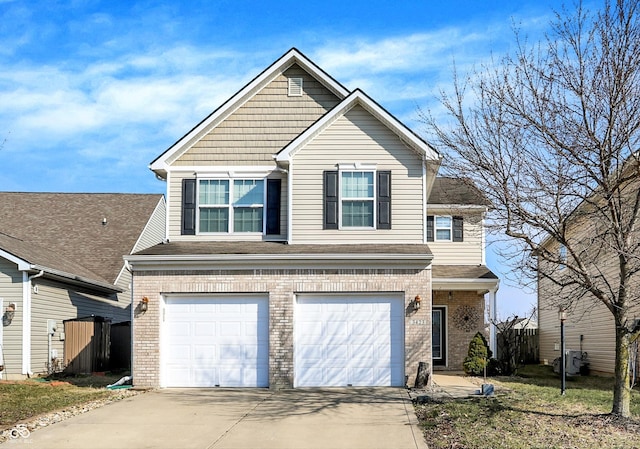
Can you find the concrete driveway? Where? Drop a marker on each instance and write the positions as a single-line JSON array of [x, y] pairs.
[[353, 418]]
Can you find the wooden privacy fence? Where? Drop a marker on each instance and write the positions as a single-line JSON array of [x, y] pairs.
[[522, 344], [94, 344]]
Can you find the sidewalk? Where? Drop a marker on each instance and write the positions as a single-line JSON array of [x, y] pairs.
[[447, 386]]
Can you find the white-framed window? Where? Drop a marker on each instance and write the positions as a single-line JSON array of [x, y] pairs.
[[357, 198], [562, 255], [443, 228], [230, 205]]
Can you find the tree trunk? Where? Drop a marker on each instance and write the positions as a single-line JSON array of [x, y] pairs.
[[622, 386]]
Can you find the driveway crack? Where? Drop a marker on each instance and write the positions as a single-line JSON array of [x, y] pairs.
[[242, 418]]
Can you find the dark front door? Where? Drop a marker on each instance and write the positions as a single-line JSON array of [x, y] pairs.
[[438, 335]]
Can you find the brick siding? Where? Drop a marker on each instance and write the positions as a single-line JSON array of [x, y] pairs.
[[465, 317], [280, 285]]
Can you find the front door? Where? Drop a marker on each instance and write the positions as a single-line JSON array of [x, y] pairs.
[[438, 335]]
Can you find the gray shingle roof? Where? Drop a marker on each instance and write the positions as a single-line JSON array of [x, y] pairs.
[[456, 191], [265, 248], [462, 272], [64, 231]]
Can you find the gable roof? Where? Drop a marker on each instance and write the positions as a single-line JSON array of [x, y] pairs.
[[29, 256], [293, 56], [456, 191], [358, 97], [64, 231]]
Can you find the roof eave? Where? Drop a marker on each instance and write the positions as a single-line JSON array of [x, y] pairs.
[[242, 261], [75, 279]]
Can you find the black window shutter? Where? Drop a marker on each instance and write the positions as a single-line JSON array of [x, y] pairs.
[[330, 220], [274, 191], [384, 200], [188, 226], [458, 235], [429, 228]]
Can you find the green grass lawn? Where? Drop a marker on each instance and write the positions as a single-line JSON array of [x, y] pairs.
[[529, 412], [22, 400]]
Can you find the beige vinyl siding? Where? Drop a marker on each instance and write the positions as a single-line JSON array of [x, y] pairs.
[[467, 252], [154, 231], [587, 316], [264, 125], [174, 209], [590, 319], [11, 291], [357, 137], [59, 302]]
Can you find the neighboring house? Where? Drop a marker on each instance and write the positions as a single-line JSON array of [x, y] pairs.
[[61, 257], [589, 324], [309, 243]]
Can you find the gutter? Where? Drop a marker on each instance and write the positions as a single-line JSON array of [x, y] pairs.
[[61, 275], [244, 261], [26, 320]]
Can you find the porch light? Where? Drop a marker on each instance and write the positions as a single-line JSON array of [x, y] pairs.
[[9, 313], [450, 295], [144, 304], [416, 302]]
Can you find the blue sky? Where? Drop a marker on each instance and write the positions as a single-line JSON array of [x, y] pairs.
[[91, 92]]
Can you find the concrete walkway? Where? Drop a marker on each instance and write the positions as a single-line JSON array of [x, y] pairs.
[[455, 386], [353, 418]]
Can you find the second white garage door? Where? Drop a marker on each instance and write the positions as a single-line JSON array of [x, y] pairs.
[[216, 341], [349, 341]]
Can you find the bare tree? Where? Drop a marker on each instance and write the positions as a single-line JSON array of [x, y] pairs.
[[551, 135]]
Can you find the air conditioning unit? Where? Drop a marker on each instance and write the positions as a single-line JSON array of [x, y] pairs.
[[575, 362]]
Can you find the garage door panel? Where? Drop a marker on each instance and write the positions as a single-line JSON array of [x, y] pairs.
[[349, 340], [219, 341]]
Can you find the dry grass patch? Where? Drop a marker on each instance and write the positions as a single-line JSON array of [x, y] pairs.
[[528, 412]]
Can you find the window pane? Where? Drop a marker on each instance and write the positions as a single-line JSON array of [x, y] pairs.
[[214, 191], [357, 214], [248, 191], [214, 219], [443, 234], [357, 184], [443, 222], [247, 219]]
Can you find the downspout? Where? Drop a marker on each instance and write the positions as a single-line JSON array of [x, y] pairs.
[[424, 199], [129, 268], [290, 203], [26, 321]]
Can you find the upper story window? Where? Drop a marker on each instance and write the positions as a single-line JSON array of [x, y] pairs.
[[445, 228], [562, 255], [230, 205], [357, 199]]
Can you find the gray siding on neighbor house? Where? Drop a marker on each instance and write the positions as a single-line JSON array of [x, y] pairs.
[[261, 127], [357, 137], [11, 291], [174, 209], [60, 302]]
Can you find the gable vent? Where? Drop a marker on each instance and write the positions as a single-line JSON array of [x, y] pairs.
[[295, 87]]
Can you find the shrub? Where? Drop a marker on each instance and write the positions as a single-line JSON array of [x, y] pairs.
[[476, 360]]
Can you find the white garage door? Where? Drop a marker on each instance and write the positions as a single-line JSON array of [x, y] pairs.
[[349, 340], [214, 341]]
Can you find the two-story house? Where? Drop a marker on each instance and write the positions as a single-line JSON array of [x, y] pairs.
[[309, 243]]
